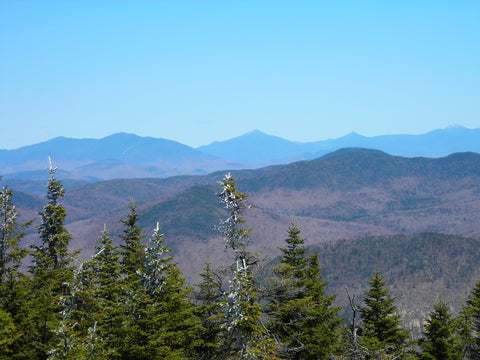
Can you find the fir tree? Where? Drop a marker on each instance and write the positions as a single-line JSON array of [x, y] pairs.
[[132, 247], [8, 335], [246, 337], [11, 254], [53, 253], [302, 315], [68, 336], [439, 341], [164, 322], [381, 328], [470, 324], [105, 329], [51, 271], [11, 232], [106, 267], [211, 302], [13, 289]]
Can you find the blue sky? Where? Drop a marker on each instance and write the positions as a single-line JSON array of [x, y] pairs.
[[200, 71]]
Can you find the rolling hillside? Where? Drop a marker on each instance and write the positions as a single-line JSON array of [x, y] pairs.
[[351, 206]]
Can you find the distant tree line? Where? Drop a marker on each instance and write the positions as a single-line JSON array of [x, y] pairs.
[[131, 301]]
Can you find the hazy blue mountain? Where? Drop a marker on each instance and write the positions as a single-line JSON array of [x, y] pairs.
[[266, 149], [115, 156], [437, 143], [255, 147], [130, 156]]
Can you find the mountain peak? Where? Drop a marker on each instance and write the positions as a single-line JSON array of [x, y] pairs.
[[255, 133], [455, 126]]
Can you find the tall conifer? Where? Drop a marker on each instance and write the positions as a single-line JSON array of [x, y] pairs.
[[11, 254], [132, 247], [302, 315], [439, 342], [381, 329], [210, 305], [13, 291], [53, 253], [246, 336], [165, 326], [470, 324], [51, 270]]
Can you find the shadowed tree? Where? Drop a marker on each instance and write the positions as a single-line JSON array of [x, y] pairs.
[[210, 305], [438, 341]]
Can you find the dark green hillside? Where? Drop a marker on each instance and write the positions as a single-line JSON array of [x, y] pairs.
[[190, 214], [353, 168], [418, 268]]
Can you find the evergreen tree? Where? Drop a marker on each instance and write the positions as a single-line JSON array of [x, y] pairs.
[[8, 334], [211, 302], [132, 247], [302, 315], [470, 324], [53, 253], [68, 337], [11, 232], [11, 254], [51, 270], [106, 268], [381, 328], [13, 291], [439, 342], [246, 337], [106, 326], [164, 322]]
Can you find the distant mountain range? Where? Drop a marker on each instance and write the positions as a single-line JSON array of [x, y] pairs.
[[257, 147], [130, 156]]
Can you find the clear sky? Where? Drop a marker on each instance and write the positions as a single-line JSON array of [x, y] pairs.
[[200, 71]]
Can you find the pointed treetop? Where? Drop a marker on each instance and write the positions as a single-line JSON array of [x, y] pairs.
[[51, 168]]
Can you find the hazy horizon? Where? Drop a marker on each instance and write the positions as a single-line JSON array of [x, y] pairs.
[[202, 71], [248, 132]]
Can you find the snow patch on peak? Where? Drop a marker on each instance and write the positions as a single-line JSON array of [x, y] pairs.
[[455, 126], [255, 132]]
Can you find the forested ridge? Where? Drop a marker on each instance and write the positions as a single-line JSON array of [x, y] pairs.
[[132, 302]]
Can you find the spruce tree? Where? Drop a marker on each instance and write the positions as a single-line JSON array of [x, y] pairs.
[[68, 339], [13, 291], [11, 254], [246, 337], [439, 342], [53, 253], [302, 315], [164, 322], [106, 267], [51, 270], [470, 324], [8, 334], [210, 304], [381, 329], [107, 316], [132, 247]]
